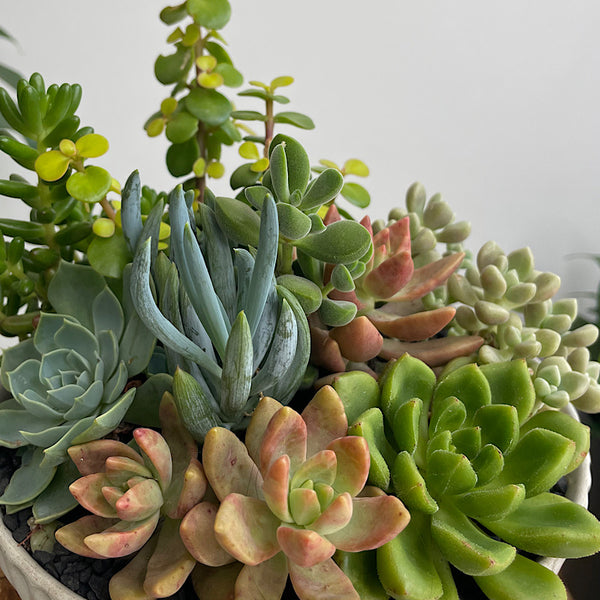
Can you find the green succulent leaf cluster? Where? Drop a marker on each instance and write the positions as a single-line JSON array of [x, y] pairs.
[[68, 386], [468, 456]]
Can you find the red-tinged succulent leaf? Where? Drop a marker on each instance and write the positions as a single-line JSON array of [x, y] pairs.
[[435, 352], [276, 488], [374, 522], [157, 453], [335, 516], [227, 465], [286, 433], [187, 491], [325, 352], [119, 469], [319, 468], [370, 491], [332, 215], [427, 278], [111, 494], [128, 583], [261, 416], [380, 252], [170, 563], [197, 532], [123, 538], [304, 505], [303, 546], [324, 581], [390, 276], [325, 420], [72, 536], [139, 502], [353, 461], [88, 492], [400, 236], [216, 583], [265, 581], [359, 340], [412, 328], [90, 457], [247, 529], [366, 223], [349, 297]]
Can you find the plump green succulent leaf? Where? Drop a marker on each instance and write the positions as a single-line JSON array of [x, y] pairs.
[[358, 392], [522, 578], [181, 157], [323, 189], [209, 106], [212, 14], [467, 440], [361, 569], [239, 221], [336, 313], [342, 242], [449, 473], [278, 172], [131, 215], [447, 414], [298, 164], [409, 485], [466, 547], [170, 69], [499, 425], [293, 223], [490, 503], [91, 185], [406, 424], [356, 194], [488, 464], [549, 525], [306, 292], [294, 118], [109, 256]]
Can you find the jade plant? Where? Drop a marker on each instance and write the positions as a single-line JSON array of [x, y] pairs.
[[68, 385], [137, 498], [289, 497], [475, 464]]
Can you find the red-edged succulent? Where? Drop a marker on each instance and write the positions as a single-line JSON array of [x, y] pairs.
[[137, 498], [291, 496], [391, 318]]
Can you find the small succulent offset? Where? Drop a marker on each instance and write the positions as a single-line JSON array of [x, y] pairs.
[[291, 496], [466, 454], [68, 385], [138, 498]]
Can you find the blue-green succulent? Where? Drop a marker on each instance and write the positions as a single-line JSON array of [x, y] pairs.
[[68, 385]]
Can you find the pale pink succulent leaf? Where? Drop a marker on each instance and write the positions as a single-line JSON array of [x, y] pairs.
[[332, 215], [72, 536], [156, 453], [90, 457], [186, 491], [303, 546], [400, 236], [353, 461], [390, 276], [359, 340], [324, 581], [276, 488], [140, 501], [319, 468], [247, 529], [412, 328], [325, 420], [216, 583], [375, 521], [285, 434], [197, 531], [227, 465], [425, 279], [324, 351], [119, 469], [88, 492], [123, 538], [304, 506], [128, 583], [170, 563], [111, 494], [261, 416], [265, 581], [335, 516]]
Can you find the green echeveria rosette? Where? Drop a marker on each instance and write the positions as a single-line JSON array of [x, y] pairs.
[[473, 463], [67, 383]]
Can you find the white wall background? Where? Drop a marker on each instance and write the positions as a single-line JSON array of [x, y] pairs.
[[493, 103]]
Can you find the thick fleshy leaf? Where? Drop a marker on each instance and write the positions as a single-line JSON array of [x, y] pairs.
[[72, 536], [123, 538], [119, 469], [303, 546], [305, 506], [266, 580], [155, 449], [335, 517], [140, 501], [276, 487], [325, 420], [88, 492], [197, 531], [189, 493], [415, 327], [353, 461], [216, 583], [319, 468], [90, 186], [374, 522], [323, 581], [449, 473], [110, 255], [286, 433], [491, 503], [89, 458], [325, 352], [390, 276], [128, 583], [212, 14], [359, 340], [169, 69], [261, 416], [228, 466], [247, 529], [12, 422], [361, 569], [409, 485], [29, 480], [56, 500], [211, 107]]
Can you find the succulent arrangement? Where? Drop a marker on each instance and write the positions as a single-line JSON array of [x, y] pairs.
[[169, 342]]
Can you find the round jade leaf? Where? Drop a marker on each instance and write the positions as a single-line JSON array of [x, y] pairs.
[[109, 256], [294, 118], [181, 157], [91, 145], [231, 76], [52, 165], [212, 14], [170, 69], [356, 194], [209, 106], [181, 127], [91, 185]]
